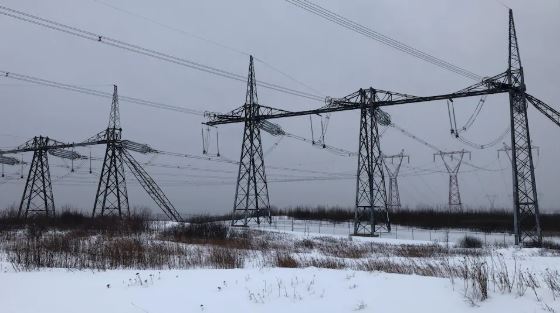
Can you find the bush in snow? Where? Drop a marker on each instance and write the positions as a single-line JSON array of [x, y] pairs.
[[470, 242]]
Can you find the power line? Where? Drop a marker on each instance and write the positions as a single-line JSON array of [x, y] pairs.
[[433, 147], [210, 41], [393, 43], [228, 161], [97, 93], [74, 31]]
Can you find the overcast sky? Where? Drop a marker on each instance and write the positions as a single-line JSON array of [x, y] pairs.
[[317, 56]]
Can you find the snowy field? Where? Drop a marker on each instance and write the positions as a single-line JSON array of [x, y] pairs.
[[331, 273], [243, 290]]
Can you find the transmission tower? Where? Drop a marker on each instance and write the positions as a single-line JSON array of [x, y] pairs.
[[452, 161], [527, 220], [371, 215], [111, 198], [251, 195], [37, 196], [393, 168], [527, 226]]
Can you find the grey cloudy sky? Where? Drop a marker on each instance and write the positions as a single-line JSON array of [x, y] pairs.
[[322, 55]]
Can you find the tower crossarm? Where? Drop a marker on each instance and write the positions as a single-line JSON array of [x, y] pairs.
[[393, 170], [495, 82], [238, 114], [52, 145], [452, 155], [545, 109], [381, 98]]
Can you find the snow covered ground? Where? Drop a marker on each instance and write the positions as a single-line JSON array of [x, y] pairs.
[[261, 287], [244, 290]]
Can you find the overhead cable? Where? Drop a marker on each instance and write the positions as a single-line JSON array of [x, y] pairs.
[[134, 48], [386, 40]]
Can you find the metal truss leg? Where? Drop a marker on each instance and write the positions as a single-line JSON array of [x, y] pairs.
[[371, 213], [527, 225], [111, 198]]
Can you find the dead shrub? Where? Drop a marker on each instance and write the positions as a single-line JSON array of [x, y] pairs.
[[321, 262], [527, 280], [418, 251], [216, 234], [225, 258], [552, 281], [285, 260], [196, 232], [469, 242], [501, 274], [99, 252], [342, 249], [305, 244], [476, 280]]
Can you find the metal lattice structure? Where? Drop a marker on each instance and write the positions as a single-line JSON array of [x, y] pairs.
[[527, 226], [111, 198], [37, 199], [452, 161], [251, 195], [393, 169], [371, 214], [150, 186]]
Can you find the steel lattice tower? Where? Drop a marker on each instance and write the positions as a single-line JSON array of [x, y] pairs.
[[454, 200], [394, 200], [371, 194], [37, 196], [527, 226], [251, 194], [371, 213], [111, 198]]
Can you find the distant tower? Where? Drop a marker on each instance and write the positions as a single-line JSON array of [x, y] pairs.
[[452, 161], [37, 196], [393, 168], [111, 198]]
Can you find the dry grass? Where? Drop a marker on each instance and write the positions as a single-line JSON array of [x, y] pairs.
[[214, 245], [282, 259], [226, 258]]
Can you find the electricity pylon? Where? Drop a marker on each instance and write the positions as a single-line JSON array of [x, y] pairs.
[[526, 216], [37, 199], [111, 198], [251, 195], [393, 168], [452, 161], [371, 215], [527, 219], [37, 196]]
